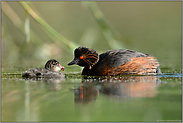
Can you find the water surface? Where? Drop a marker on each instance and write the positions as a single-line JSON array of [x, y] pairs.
[[121, 98]]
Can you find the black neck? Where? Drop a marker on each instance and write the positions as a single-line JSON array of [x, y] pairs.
[[86, 70]]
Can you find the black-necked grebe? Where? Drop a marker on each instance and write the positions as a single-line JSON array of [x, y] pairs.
[[115, 62]]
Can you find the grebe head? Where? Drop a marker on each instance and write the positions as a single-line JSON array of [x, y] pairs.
[[85, 57]]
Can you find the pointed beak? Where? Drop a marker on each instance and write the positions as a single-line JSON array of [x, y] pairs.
[[61, 67], [75, 61]]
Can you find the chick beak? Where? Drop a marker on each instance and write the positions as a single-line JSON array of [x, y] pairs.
[[61, 67], [75, 61]]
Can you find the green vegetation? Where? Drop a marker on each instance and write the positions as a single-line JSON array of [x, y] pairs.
[[38, 31]]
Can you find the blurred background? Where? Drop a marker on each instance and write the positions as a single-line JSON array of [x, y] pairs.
[[33, 32]]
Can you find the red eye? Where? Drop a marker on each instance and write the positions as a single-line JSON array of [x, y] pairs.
[[81, 57]]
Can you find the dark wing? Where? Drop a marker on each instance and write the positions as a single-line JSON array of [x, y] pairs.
[[114, 58], [35, 72]]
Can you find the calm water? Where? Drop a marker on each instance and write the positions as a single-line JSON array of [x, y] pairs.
[[148, 27], [122, 98]]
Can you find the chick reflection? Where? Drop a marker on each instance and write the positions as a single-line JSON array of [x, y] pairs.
[[53, 84], [127, 86], [87, 92]]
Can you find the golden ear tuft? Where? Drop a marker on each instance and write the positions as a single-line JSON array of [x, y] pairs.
[[90, 56]]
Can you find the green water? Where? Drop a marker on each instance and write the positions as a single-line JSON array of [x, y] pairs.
[[122, 98], [149, 27]]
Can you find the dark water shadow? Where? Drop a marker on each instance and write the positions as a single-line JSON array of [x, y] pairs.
[[120, 87]]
